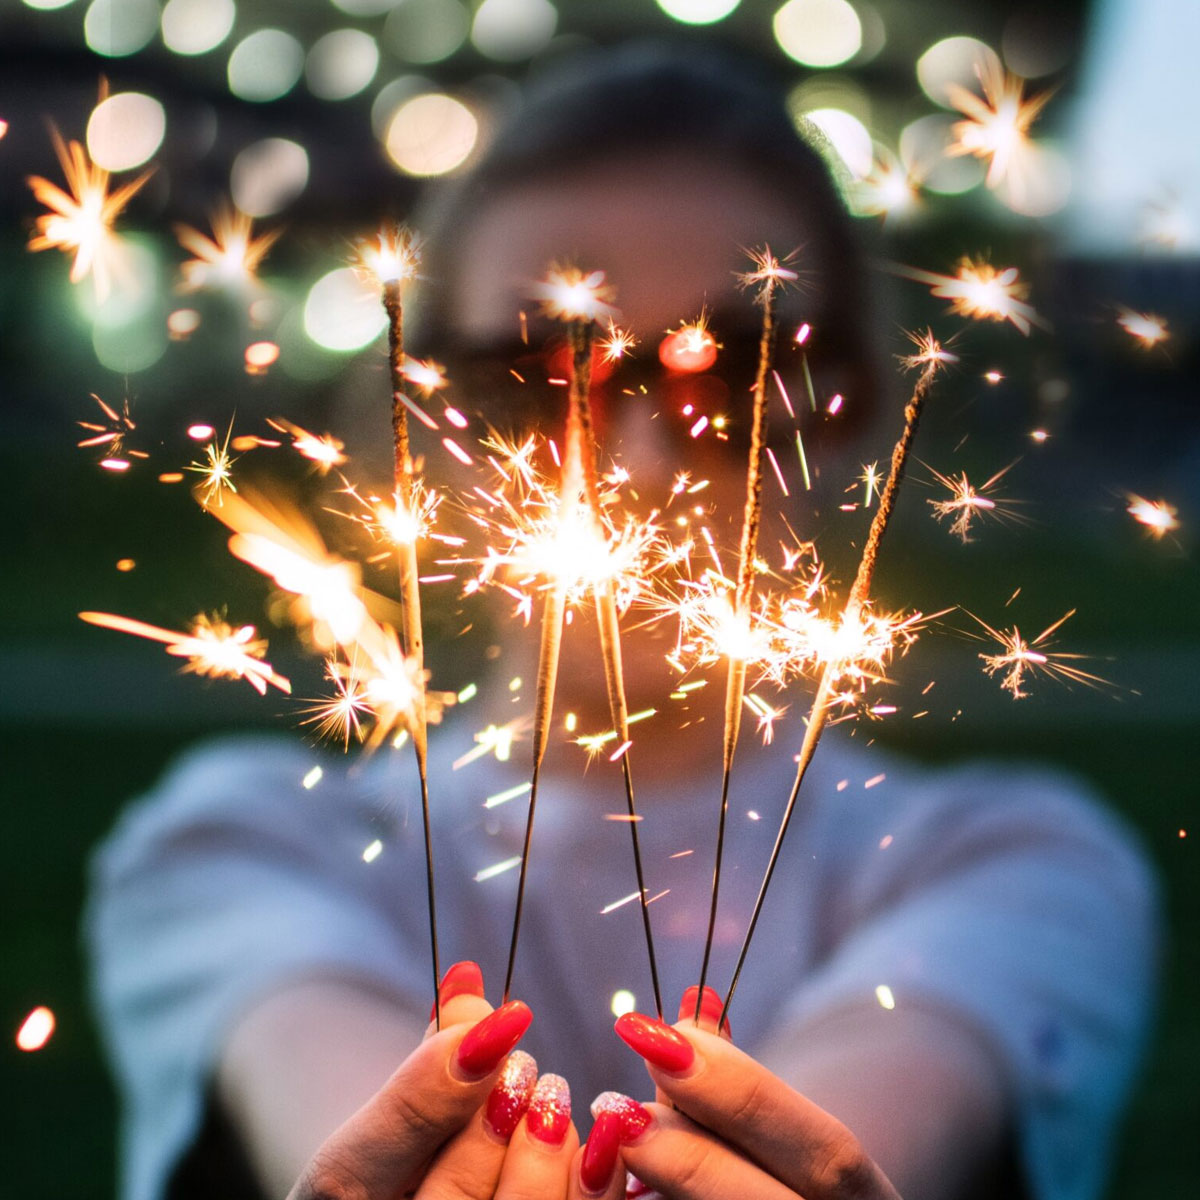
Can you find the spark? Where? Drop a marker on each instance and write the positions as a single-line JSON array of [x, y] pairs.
[[1145, 328], [1157, 516], [997, 125], [497, 869], [870, 479], [883, 994], [312, 777], [967, 502], [508, 794], [214, 649], [768, 273], [691, 348], [372, 851], [493, 739], [888, 187], [617, 344], [215, 471], [1019, 659], [81, 219], [340, 715], [569, 294], [112, 434], [230, 258], [325, 450], [980, 291], [425, 375]]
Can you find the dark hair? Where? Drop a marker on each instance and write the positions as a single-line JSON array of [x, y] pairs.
[[648, 96]]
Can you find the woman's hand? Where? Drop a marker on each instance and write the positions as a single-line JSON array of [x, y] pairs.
[[427, 1130], [735, 1130]]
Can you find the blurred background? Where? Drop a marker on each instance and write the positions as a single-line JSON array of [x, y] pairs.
[[324, 116]]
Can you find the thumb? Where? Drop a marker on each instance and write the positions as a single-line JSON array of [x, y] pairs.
[[383, 1148]]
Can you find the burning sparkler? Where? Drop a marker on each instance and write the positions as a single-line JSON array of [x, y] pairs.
[[81, 219], [852, 617], [768, 275], [213, 648], [230, 258], [392, 258]]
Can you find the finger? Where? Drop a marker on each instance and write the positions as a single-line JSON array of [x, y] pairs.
[[711, 1006], [469, 1165], [596, 1171], [740, 1101], [674, 1156], [384, 1147], [538, 1163], [460, 997]]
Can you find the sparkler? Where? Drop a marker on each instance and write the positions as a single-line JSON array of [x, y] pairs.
[[81, 219], [392, 258], [213, 648], [230, 258], [852, 617], [768, 274], [579, 299]]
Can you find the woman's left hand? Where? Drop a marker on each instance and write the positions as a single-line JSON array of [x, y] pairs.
[[736, 1129]]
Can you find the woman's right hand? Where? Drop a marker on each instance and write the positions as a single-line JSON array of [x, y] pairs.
[[440, 1126]]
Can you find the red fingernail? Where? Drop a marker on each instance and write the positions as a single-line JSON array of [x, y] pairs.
[[462, 979], [600, 1154], [657, 1043], [634, 1117], [710, 1008], [508, 1100], [480, 1052], [549, 1115]]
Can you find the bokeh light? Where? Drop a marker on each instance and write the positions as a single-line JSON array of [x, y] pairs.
[[698, 12], [47, 5], [341, 64], [848, 136], [125, 130], [116, 28], [426, 31], [923, 147], [265, 65], [818, 33], [343, 311], [511, 30], [954, 60], [1041, 185], [364, 8], [268, 175], [431, 134], [391, 96], [197, 26], [623, 1000]]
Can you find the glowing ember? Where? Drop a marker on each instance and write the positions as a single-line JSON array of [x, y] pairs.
[[426, 375], [1157, 516], [260, 356], [689, 349], [36, 1029], [1145, 328]]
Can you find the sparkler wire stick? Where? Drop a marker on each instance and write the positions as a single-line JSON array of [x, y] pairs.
[[410, 597], [735, 680], [859, 594]]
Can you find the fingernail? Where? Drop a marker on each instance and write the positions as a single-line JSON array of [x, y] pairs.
[[710, 1008], [462, 979], [634, 1117], [600, 1153], [508, 1100], [549, 1115], [480, 1052], [657, 1043]]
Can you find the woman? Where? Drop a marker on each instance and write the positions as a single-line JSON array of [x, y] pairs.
[[257, 978]]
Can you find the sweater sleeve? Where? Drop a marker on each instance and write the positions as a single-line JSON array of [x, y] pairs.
[[226, 881]]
